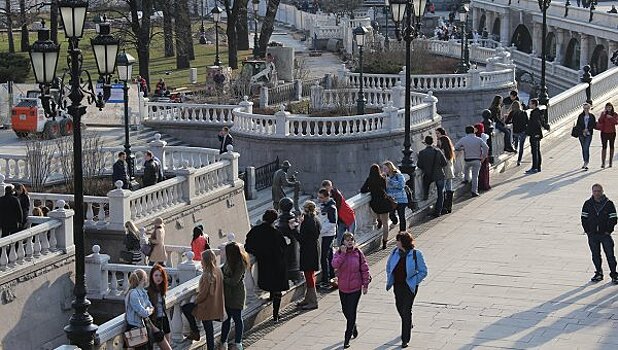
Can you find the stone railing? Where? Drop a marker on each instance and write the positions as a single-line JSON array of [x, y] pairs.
[[604, 85], [96, 206], [328, 32], [188, 113], [285, 125], [150, 200], [52, 236], [15, 168], [566, 104], [333, 98]]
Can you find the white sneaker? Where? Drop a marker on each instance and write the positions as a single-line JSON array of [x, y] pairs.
[[238, 346]]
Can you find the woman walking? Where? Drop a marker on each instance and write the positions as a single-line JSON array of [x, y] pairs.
[[199, 243], [157, 288], [405, 269], [353, 277], [484, 173], [607, 124], [381, 203], [158, 255], [395, 187], [446, 146], [267, 244], [236, 263], [519, 119], [309, 240], [586, 122], [209, 304], [132, 243], [136, 303]]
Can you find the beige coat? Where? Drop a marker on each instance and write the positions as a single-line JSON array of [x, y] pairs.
[[210, 303], [157, 239]]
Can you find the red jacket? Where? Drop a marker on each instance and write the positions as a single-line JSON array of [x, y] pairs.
[[344, 211], [352, 270], [607, 123]]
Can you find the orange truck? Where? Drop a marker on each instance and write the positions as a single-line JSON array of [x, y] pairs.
[[28, 119]]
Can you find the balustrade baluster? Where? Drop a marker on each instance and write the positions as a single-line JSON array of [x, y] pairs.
[[176, 323], [12, 254], [101, 214], [125, 282], [166, 200], [29, 249], [36, 246], [20, 252], [113, 285], [44, 242], [4, 258], [53, 242], [89, 214]]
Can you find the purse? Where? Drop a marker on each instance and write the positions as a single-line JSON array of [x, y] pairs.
[[146, 249], [136, 336], [575, 131]]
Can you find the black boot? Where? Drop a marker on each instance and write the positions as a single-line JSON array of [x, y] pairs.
[[276, 306], [448, 202]]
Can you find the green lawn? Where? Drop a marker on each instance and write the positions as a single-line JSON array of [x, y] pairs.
[[159, 65]]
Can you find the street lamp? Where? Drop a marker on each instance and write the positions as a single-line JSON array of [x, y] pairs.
[[359, 36], [81, 329], [399, 10], [216, 16], [256, 9], [544, 97], [386, 14], [44, 59], [464, 64], [125, 72], [202, 29]]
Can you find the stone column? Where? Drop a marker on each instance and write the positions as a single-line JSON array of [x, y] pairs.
[[560, 35], [584, 56], [489, 22], [187, 270], [505, 29], [65, 238], [2, 185], [398, 94], [282, 127], [390, 111], [96, 275], [476, 17], [246, 105], [157, 146], [119, 207], [263, 96], [536, 38], [188, 186], [233, 158]]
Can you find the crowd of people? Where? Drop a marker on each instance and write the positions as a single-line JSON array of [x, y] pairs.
[[152, 167]]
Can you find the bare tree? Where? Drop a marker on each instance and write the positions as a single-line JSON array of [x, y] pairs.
[[242, 27], [340, 7], [93, 161], [40, 153], [25, 35], [8, 21], [268, 25], [64, 145], [182, 44], [168, 26]]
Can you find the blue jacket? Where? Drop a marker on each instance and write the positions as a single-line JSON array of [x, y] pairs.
[[395, 188], [136, 303], [415, 273]]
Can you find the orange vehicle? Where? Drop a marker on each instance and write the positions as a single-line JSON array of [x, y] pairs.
[[28, 118]]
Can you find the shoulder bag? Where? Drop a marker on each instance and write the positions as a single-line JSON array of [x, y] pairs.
[[137, 336], [575, 129]]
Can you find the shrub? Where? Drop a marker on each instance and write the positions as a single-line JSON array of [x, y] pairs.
[[13, 67]]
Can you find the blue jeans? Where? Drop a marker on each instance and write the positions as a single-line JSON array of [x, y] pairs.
[[520, 140], [401, 213], [342, 228], [508, 141], [440, 200], [187, 310], [448, 185], [326, 257], [585, 141], [239, 326]]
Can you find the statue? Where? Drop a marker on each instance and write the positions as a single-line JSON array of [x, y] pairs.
[[280, 181], [288, 225]]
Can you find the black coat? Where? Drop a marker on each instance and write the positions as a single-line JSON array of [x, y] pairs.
[[519, 120], [432, 162], [291, 250], [580, 125], [151, 172], [309, 241], [379, 202], [11, 215], [120, 172], [267, 244], [24, 201], [599, 217], [536, 124], [229, 140]]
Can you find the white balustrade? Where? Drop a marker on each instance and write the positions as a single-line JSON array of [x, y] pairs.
[[195, 157], [257, 124], [566, 104], [14, 167], [96, 207], [604, 85], [190, 113], [28, 246], [212, 177], [148, 201], [305, 126]]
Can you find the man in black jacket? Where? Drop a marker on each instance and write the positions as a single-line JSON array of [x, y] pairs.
[[120, 171], [11, 214], [151, 170], [225, 139], [536, 124], [598, 220], [432, 161]]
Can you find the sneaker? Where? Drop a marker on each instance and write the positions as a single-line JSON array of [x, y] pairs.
[[474, 194], [194, 336], [518, 163], [531, 171], [404, 345], [615, 280], [238, 346], [345, 346], [598, 277]]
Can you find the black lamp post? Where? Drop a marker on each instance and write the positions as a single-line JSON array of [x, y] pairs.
[[216, 16], [125, 72], [544, 97], [399, 10], [256, 9], [464, 64], [44, 56], [386, 14], [202, 29], [359, 36]]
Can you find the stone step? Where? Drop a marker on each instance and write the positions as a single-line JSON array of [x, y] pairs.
[[257, 209]]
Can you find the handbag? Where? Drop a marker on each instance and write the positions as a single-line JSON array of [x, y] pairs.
[[137, 336], [409, 196], [146, 248], [575, 131], [156, 334]]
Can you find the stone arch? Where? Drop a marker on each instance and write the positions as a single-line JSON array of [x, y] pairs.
[[495, 30], [599, 60], [522, 39], [550, 42], [482, 23], [571, 59]]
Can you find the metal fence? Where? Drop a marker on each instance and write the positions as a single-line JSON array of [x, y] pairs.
[[264, 175]]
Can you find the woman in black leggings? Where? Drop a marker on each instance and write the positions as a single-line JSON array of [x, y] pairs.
[[607, 124]]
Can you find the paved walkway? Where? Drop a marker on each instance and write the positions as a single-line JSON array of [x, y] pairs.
[[509, 269]]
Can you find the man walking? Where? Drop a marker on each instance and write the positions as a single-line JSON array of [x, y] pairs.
[[345, 214], [151, 170], [225, 139], [536, 124], [11, 215], [432, 161], [598, 220], [475, 150], [120, 171]]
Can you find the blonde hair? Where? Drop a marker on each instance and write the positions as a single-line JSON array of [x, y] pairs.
[[36, 211], [515, 106], [309, 208], [391, 167], [209, 262], [136, 277], [131, 228]]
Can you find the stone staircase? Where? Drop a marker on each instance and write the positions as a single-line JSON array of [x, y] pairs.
[[114, 136], [263, 201]]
